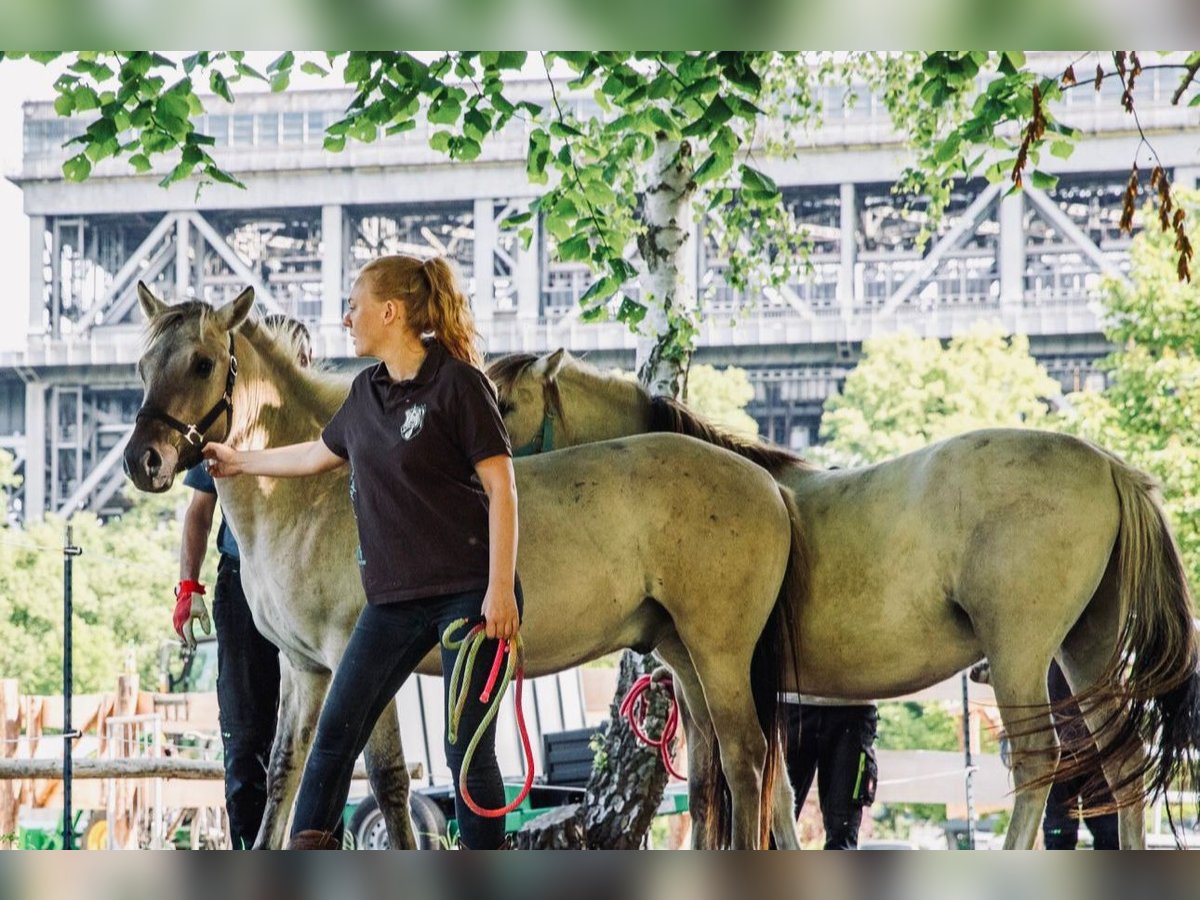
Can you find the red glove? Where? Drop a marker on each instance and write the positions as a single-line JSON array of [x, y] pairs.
[[190, 606]]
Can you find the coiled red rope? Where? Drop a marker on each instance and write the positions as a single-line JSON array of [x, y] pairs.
[[635, 707]]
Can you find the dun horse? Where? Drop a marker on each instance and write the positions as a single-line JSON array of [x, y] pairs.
[[658, 543], [1019, 545]]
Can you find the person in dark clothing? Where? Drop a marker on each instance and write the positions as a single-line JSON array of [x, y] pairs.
[[434, 495], [1060, 827], [247, 663], [836, 746]]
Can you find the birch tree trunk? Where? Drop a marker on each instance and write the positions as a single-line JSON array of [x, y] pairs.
[[666, 247]]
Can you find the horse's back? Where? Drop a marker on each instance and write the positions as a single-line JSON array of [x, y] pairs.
[[936, 547]]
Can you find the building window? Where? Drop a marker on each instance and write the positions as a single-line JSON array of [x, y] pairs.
[[268, 128], [243, 131], [293, 127]]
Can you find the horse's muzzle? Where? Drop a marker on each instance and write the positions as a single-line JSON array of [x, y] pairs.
[[150, 466]]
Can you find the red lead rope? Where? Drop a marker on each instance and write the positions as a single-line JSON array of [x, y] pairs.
[[634, 708]]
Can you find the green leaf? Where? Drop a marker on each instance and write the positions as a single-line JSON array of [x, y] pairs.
[[1015, 58], [1043, 180], [280, 81], [1195, 101], [220, 86], [756, 182], [249, 71], [358, 68], [445, 110], [406, 125], [64, 104], [334, 143], [563, 130], [631, 312], [218, 174], [139, 162], [717, 114], [600, 290], [283, 62], [1062, 149], [467, 149], [440, 141], [511, 59], [713, 167], [196, 59], [515, 219], [77, 168], [311, 68], [575, 249]]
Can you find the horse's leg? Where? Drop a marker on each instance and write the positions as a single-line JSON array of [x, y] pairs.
[[783, 800], [1020, 684], [388, 774], [723, 672], [1085, 655], [698, 731], [300, 696]]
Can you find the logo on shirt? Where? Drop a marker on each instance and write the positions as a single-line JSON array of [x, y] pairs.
[[414, 419]]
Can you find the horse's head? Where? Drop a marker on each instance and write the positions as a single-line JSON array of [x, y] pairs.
[[188, 370], [529, 400]]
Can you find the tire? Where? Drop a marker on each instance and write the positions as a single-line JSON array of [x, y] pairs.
[[368, 829]]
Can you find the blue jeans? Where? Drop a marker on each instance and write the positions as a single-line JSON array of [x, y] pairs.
[[387, 644]]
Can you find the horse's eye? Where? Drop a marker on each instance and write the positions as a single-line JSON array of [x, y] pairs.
[[505, 407], [204, 367]]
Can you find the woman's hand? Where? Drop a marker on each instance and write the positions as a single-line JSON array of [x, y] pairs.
[[222, 459], [500, 613]]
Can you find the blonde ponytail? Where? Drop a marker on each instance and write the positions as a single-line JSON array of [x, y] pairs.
[[433, 300]]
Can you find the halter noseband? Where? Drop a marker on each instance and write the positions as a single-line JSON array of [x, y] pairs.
[[194, 433]]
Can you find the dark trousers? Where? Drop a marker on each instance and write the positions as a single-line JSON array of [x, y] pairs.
[[1060, 827], [387, 644], [836, 745], [248, 701]]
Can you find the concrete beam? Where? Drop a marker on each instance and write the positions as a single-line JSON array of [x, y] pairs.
[[35, 451]]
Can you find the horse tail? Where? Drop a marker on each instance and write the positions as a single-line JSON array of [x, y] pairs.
[[1153, 672], [776, 648]]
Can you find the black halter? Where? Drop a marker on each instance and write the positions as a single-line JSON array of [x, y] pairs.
[[194, 434]]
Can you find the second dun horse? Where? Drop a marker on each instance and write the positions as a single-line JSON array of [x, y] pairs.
[[1020, 545]]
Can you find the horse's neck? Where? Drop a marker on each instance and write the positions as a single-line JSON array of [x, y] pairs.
[[599, 409], [272, 405]]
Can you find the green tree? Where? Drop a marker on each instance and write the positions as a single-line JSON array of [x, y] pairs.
[[121, 595], [1150, 412], [721, 395], [8, 477], [908, 391]]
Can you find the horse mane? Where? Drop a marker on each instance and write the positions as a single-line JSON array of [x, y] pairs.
[[280, 347], [668, 414], [665, 413]]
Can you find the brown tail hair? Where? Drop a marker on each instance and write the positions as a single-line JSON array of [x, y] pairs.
[[1151, 680], [775, 650]]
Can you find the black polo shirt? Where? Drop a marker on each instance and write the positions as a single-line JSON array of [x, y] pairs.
[[412, 446]]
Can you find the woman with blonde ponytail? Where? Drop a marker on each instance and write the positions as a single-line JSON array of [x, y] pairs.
[[431, 482]]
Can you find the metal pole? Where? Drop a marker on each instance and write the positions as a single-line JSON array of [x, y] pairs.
[[970, 776], [69, 734]]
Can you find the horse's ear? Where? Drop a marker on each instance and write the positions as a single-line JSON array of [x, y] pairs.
[[151, 305], [234, 313], [546, 367]]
